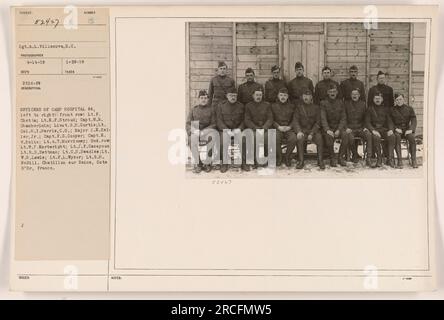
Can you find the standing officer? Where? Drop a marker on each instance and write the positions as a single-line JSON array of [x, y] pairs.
[[259, 118], [219, 85], [404, 121], [381, 86], [273, 85], [205, 115], [230, 116], [283, 111], [299, 84], [246, 89], [306, 123], [333, 122], [380, 124], [351, 83], [322, 86], [355, 110]]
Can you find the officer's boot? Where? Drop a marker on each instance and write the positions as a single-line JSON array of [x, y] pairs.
[[321, 158], [413, 155], [378, 157], [288, 159], [223, 168], [332, 158], [207, 168], [341, 156], [197, 167], [399, 164], [300, 164]]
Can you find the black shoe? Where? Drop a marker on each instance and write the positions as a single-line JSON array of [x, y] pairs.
[[399, 165], [392, 163], [288, 163], [300, 165], [321, 165], [224, 168], [355, 158], [332, 163], [342, 162], [368, 163], [207, 168], [278, 162], [378, 163], [245, 167], [197, 169], [414, 163]]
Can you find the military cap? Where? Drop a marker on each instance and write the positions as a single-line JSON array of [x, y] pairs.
[[298, 65], [249, 70], [326, 68], [398, 95], [232, 90], [274, 68], [353, 67], [380, 73], [283, 90], [307, 91], [221, 64], [203, 93], [356, 89], [378, 94], [332, 86]]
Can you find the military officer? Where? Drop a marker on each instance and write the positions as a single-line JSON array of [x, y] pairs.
[[381, 86], [283, 111], [246, 89], [355, 110], [273, 85], [404, 121], [205, 115], [299, 84], [230, 116], [333, 121], [321, 88], [306, 124], [380, 124], [351, 83], [219, 85], [259, 117]]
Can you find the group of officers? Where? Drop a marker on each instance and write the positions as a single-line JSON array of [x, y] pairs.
[[301, 113]]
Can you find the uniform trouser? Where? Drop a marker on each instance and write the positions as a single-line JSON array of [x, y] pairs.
[[412, 144], [203, 141], [363, 134], [260, 142], [224, 148], [317, 139], [291, 141], [329, 143], [377, 143]]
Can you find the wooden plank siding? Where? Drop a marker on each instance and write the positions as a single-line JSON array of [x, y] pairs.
[[257, 47]]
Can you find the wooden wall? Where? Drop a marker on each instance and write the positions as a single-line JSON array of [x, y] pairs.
[[257, 48]]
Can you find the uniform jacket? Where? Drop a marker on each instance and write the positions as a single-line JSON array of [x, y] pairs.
[[246, 90], [404, 117], [258, 115], [218, 88], [347, 87], [378, 117], [333, 115], [230, 115], [296, 86], [307, 117], [320, 92], [387, 94], [355, 114], [282, 113], [204, 114], [272, 88]]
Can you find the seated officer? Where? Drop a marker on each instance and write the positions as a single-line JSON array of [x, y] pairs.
[[333, 123], [230, 116], [283, 112], [306, 123], [204, 114], [404, 121], [355, 111], [379, 122], [259, 117]]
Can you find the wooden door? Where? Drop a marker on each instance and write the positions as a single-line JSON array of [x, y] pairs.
[[306, 48]]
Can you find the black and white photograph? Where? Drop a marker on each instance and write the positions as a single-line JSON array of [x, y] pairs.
[[296, 98]]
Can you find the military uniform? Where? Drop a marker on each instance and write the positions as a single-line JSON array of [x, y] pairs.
[[283, 116], [333, 118], [297, 86], [348, 85], [378, 118], [307, 119], [387, 94], [404, 118], [206, 117], [246, 90], [230, 116], [258, 115], [218, 89], [355, 113], [320, 91], [272, 87]]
